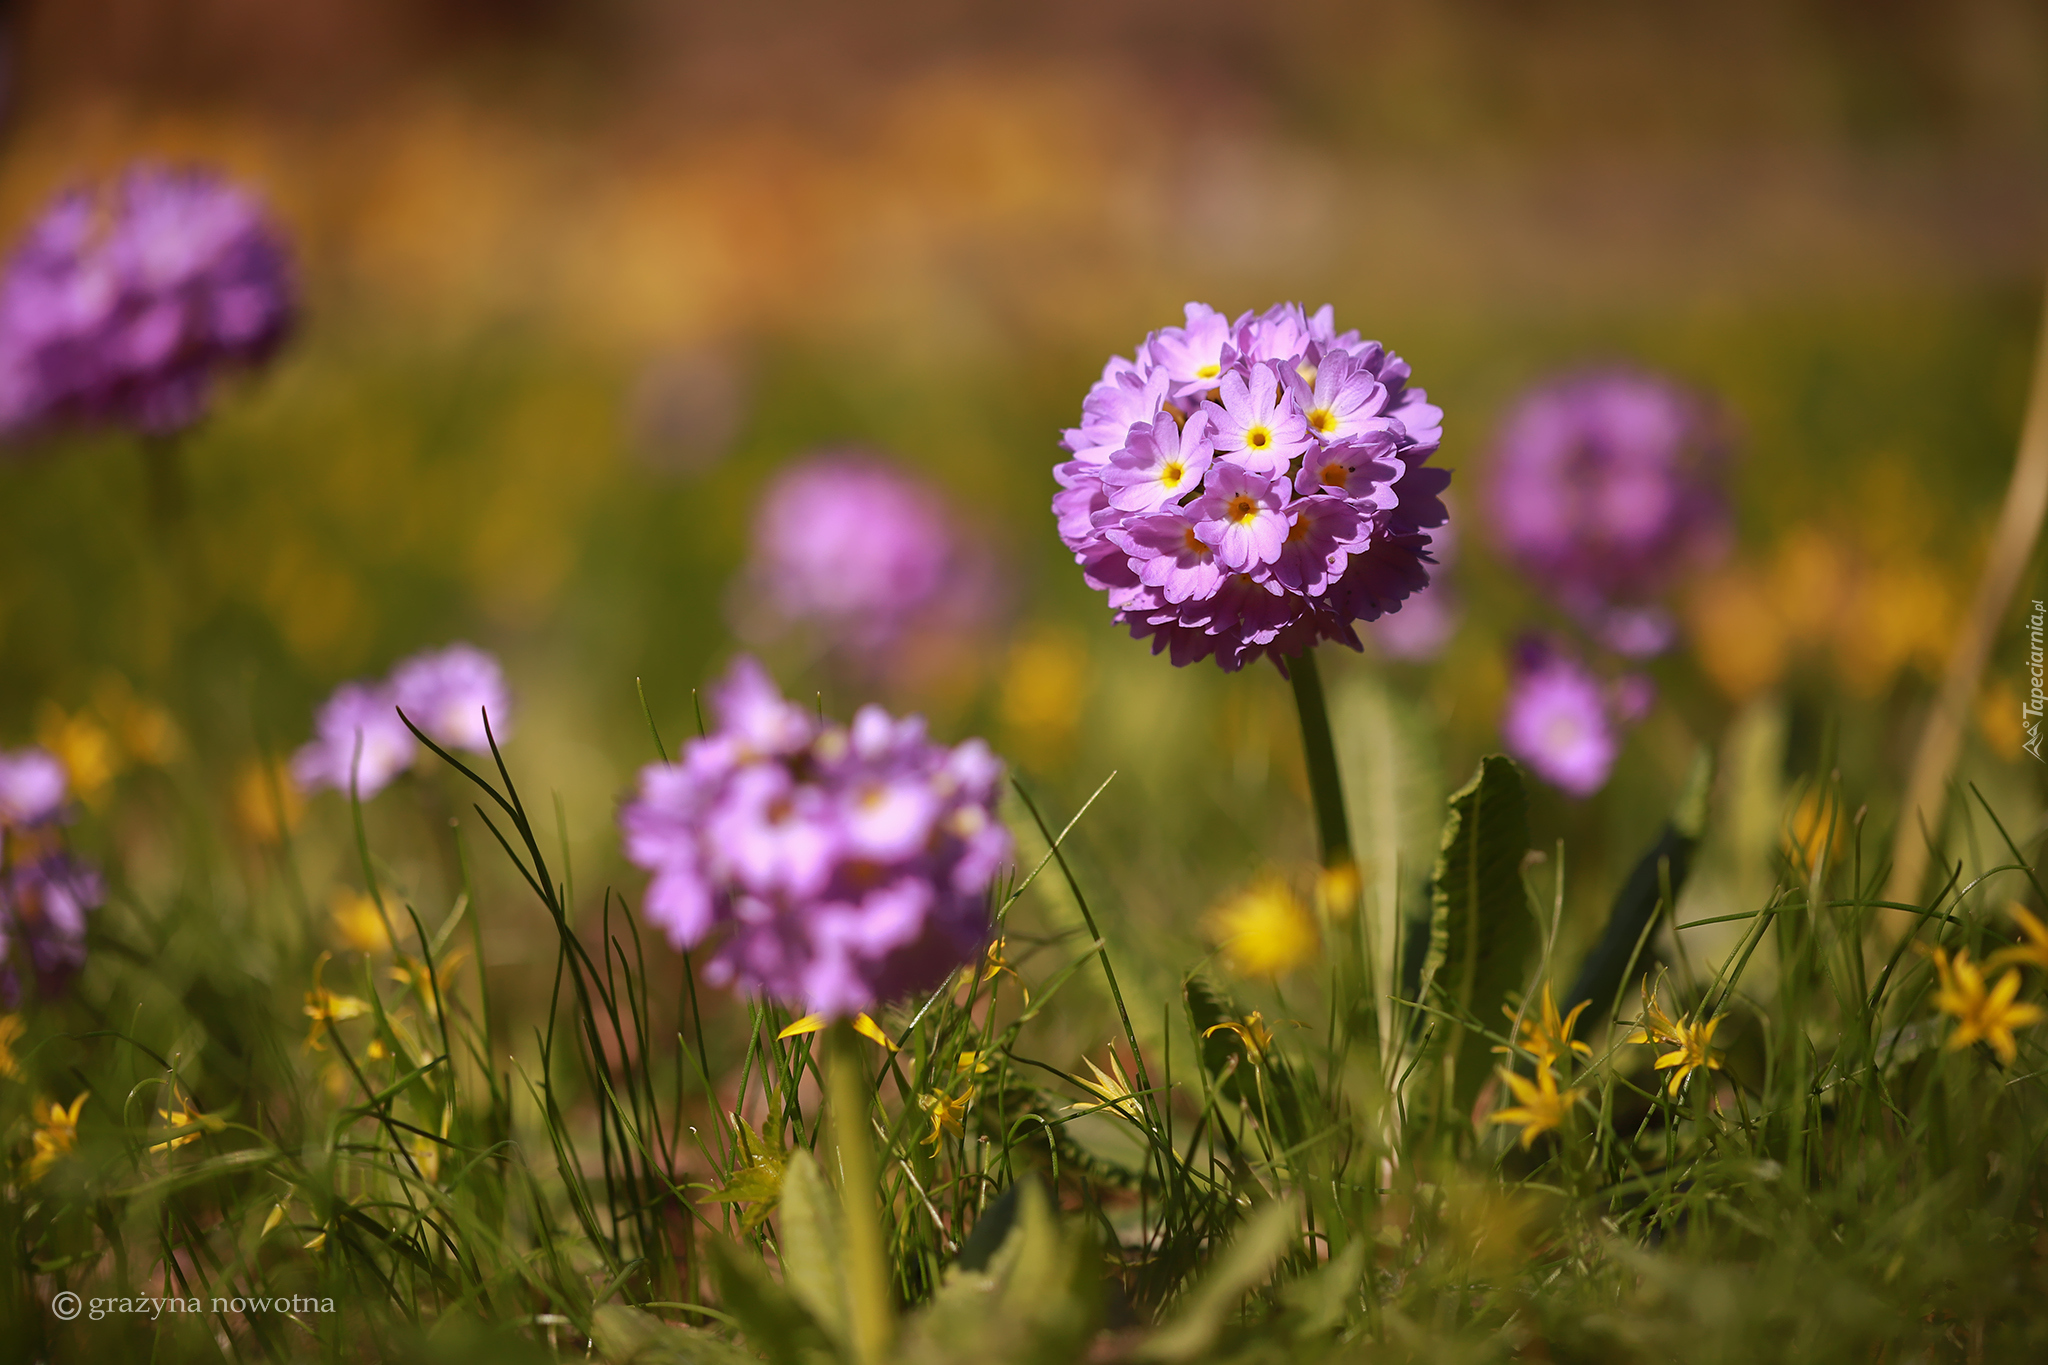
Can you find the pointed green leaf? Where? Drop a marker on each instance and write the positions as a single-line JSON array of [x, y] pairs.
[[1481, 932], [1244, 1265], [813, 1253]]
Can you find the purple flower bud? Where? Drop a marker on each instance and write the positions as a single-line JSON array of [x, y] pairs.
[[1245, 489], [122, 307], [33, 785], [357, 737], [861, 555], [1605, 488], [446, 693], [1561, 721], [43, 905], [832, 867]]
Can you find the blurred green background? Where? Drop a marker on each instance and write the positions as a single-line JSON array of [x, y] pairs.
[[580, 277]]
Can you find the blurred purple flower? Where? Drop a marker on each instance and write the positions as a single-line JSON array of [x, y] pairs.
[[122, 307], [1246, 489], [837, 867], [1563, 723], [860, 553], [45, 900], [356, 733], [446, 693], [33, 785], [1606, 487]]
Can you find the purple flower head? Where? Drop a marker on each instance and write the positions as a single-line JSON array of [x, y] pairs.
[[1563, 722], [122, 307], [43, 904], [356, 734], [446, 692], [833, 867], [1244, 489], [33, 785], [863, 555], [1606, 487]]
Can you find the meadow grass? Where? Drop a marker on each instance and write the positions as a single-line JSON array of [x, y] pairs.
[[1317, 1168]]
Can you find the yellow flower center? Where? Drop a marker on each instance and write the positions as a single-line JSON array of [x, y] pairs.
[[1243, 508], [1298, 532], [1322, 420], [1258, 438], [1208, 371], [1195, 546], [1172, 474], [1335, 475]]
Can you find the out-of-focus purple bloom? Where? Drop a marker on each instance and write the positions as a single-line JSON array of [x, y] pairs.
[[122, 307], [46, 900], [446, 693], [1563, 722], [832, 867], [860, 553], [357, 738], [1246, 489], [1426, 621], [33, 785], [1605, 488]]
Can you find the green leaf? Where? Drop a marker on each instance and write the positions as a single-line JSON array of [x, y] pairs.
[[1481, 933], [813, 1253], [771, 1319], [1243, 1267], [756, 1180], [628, 1336], [1034, 1297]]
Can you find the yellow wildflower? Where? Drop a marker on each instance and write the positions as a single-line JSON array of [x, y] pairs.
[[1818, 829], [1540, 1107], [55, 1135], [998, 964], [1986, 1016], [10, 1028], [1654, 1026], [263, 793], [863, 1024], [327, 1009], [1546, 1037], [184, 1117], [1264, 930], [1111, 1086], [1692, 1043], [83, 746], [2034, 952], [358, 921], [972, 1064], [947, 1112], [1251, 1031]]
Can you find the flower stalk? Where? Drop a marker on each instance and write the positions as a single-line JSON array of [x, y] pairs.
[[1326, 789], [869, 1310]]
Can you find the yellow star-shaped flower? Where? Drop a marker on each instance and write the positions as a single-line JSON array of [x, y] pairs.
[[55, 1135], [1546, 1037], [1539, 1108], [2034, 952], [947, 1111], [10, 1028], [1692, 1043], [1982, 1015], [326, 1009]]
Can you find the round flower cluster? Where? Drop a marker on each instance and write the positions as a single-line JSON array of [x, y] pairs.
[[1563, 722], [358, 735], [839, 867], [45, 892], [862, 554], [122, 307], [1605, 487], [1249, 488]]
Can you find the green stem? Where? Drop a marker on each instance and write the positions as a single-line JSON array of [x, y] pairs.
[[1325, 788], [867, 1269]]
